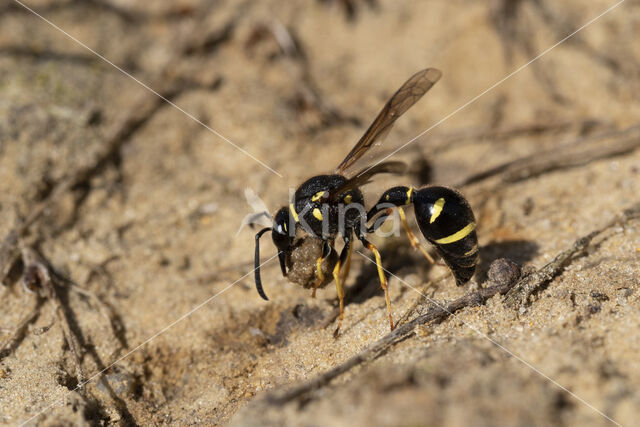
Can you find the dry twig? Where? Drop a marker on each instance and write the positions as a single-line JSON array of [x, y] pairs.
[[577, 153], [143, 109], [520, 293], [37, 275], [514, 289], [17, 333], [459, 137], [438, 313]]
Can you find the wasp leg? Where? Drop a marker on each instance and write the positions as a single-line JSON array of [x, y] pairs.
[[344, 255], [415, 243], [383, 279], [326, 251], [336, 277], [347, 265], [319, 276], [380, 221]]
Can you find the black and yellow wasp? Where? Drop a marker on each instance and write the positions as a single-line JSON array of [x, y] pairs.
[[326, 206]]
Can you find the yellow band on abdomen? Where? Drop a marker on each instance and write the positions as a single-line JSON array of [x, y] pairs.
[[459, 235]]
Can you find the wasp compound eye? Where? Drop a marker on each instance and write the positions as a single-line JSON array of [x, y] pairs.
[[317, 213], [282, 233]]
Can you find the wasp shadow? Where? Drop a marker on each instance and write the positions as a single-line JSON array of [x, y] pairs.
[[398, 258]]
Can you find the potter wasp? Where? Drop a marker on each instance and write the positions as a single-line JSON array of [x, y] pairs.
[[329, 206]]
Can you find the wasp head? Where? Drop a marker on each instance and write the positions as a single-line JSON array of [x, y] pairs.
[[283, 234]]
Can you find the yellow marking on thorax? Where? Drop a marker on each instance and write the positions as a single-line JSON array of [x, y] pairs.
[[293, 212], [348, 199], [459, 235], [317, 196], [437, 209], [317, 214], [285, 227], [386, 197], [409, 196]]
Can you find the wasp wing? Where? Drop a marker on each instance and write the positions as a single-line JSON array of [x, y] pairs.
[[260, 215], [408, 94], [365, 176]]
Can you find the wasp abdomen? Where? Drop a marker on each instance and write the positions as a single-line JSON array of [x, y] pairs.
[[447, 221]]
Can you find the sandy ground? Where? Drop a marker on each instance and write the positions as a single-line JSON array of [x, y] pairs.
[[152, 232]]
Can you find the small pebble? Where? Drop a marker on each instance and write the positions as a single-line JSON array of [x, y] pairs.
[[503, 271]]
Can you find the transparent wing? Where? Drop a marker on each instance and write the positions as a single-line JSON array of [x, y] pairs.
[[365, 176], [260, 215], [408, 94]]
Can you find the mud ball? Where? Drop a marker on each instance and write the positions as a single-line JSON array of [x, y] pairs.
[[503, 271], [301, 262]]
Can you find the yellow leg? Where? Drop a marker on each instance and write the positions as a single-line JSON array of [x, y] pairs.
[[347, 265], [413, 239], [336, 277], [319, 276], [383, 280]]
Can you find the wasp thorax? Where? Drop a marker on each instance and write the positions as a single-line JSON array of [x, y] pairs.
[[327, 207]]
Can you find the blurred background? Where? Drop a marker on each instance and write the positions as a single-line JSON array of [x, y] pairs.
[[130, 162]]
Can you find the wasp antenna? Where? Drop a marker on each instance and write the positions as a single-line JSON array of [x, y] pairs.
[[257, 264]]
